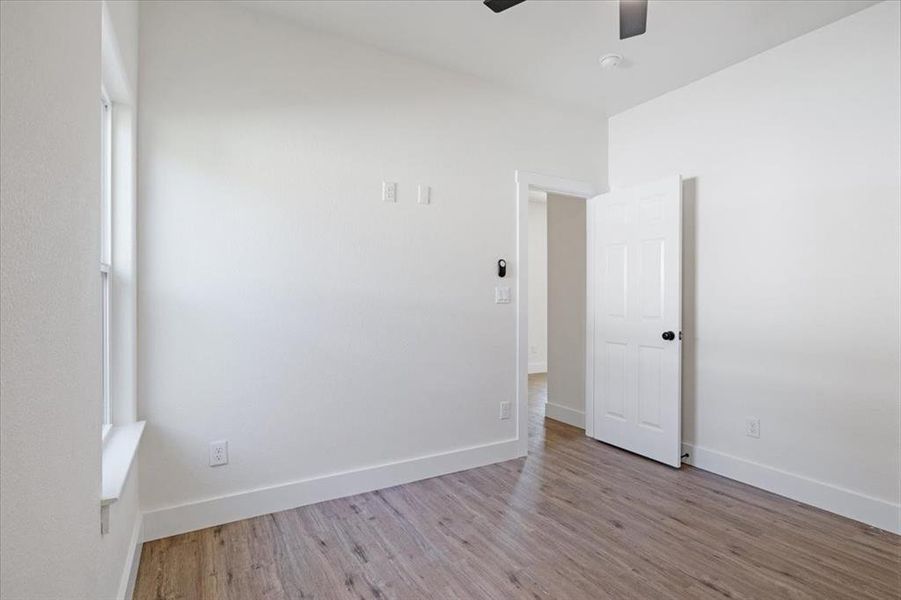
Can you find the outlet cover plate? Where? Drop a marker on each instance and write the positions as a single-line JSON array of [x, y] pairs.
[[218, 453], [389, 191], [752, 427]]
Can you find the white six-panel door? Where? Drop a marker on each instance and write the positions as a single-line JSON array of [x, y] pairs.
[[633, 387]]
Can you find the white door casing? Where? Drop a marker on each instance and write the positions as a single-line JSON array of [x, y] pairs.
[[633, 375]]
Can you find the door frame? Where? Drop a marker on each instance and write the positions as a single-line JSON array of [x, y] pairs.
[[555, 185]]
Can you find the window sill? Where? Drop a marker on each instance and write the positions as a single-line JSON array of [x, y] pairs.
[[119, 449], [104, 432]]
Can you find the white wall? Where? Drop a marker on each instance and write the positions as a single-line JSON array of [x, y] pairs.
[[50, 401], [123, 16], [283, 306], [537, 282], [566, 252], [791, 259]]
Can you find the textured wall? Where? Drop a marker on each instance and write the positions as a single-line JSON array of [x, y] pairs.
[[50, 401], [566, 253]]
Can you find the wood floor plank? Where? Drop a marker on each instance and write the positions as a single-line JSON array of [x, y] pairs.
[[576, 519]]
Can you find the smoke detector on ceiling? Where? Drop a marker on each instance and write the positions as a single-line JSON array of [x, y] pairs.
[[610, 61]]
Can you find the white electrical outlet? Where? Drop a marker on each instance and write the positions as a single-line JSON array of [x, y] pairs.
[[389, 191], [218, 453], [505, 410], [752, 428], [502, 295]]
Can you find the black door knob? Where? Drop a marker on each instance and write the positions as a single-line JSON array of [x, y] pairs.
[[669, 335]]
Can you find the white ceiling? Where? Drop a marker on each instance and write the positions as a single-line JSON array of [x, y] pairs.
[[550, 48]]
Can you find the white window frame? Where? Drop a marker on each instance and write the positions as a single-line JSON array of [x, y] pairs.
[[106, 270]]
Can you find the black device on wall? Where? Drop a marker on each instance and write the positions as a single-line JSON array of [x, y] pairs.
[[502, 268]]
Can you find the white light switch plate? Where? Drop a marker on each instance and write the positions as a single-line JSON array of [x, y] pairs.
[[505, 410], [425, 194], [502, 295], [389, 191]]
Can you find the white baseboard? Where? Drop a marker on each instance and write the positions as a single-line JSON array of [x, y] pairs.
[[567, 415], [537, 367], [173, 520], [866, 509], [130, 572]]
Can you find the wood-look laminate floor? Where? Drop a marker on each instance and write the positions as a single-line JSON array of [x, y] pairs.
[[577, 519]]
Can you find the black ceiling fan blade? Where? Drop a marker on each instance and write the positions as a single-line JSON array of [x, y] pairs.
[[501, 5], [633, 18]]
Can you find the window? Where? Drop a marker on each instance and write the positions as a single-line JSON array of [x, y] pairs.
[[106, 238]]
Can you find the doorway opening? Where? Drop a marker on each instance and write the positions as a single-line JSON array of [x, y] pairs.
[[557, 278], [551, 317]]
